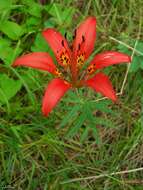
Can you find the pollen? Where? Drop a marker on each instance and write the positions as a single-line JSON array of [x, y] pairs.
[[58, 73], [64, 59], [91, 69], [80, 60]]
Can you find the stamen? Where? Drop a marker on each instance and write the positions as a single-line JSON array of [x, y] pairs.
[[63, 43], [71, 47], [78, 47], [74, 35], [83, 38], [65, 35]]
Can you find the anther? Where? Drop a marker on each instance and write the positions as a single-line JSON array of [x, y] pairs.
[[65, 35], [63, 43], [71, 47], [74, 35], [91, 69], [83, 38], [78, 47]]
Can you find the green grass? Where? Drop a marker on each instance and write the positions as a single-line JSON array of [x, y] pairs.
[[62, 151]]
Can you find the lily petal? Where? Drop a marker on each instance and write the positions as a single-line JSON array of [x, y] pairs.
[[58, 44], [54, 92], [38, 60], [108, 58], [86, 35], [101, 83]]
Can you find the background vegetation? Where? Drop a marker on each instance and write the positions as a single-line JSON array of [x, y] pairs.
[[84, 136]]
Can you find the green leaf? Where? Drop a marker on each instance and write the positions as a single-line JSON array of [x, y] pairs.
[[74, 129], [96, 135], [102, 106], [88, 111], [141, 61], [4, 43], [50, 23], [67, 15], [15, 130], [35, 10], [11, 29], [137, 60], [33, 21], [84, 134], [28, 2], [9, 87], [93, 120], [123, 49], [8, 53], [139, 45], [40, 44], [55, 10], [5, 4], [135, 64], [71, 114], [62, 15]]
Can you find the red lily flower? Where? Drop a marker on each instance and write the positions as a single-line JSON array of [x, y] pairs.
[[72, 59]]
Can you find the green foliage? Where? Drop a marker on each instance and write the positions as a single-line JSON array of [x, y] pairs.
[[7, 52], [8, 88], [39, 44], [5, 5], [35, 10], [83, 118], [137, 59], [11, 29], [32, 21], [61, 14]]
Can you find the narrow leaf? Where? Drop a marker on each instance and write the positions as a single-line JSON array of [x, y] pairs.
[[68, 117], [73, 130]]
